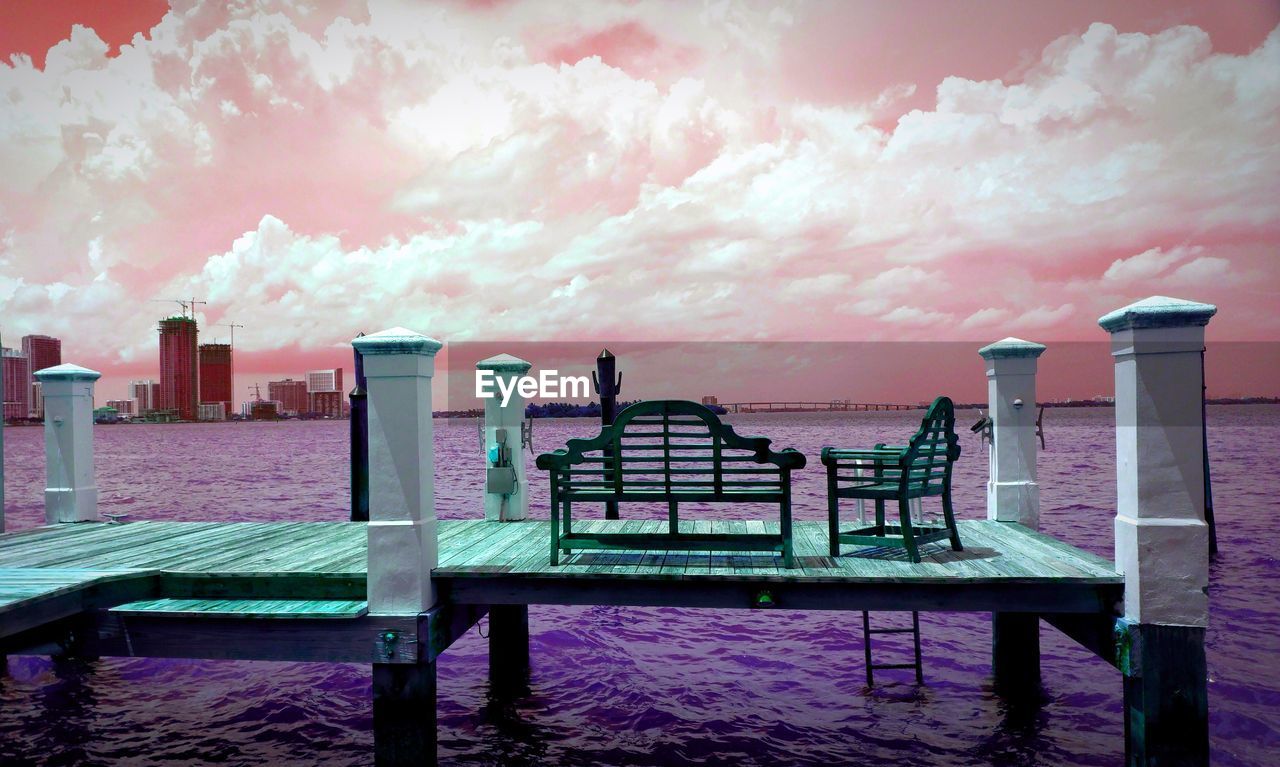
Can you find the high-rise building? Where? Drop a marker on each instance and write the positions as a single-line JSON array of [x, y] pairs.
[[42, 352], [37, 399], [321, 386], [291, 394], [215, 376], [179, 381], [17, 389], [143, 392]]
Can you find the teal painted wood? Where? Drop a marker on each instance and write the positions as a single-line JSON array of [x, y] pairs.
[[277, 609], [670, 451], [919, 469]]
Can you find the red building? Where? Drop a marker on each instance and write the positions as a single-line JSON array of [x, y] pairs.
[[42, 352], [291, 394], [17, 386], [179, 382], [215, 376], [325, 403]]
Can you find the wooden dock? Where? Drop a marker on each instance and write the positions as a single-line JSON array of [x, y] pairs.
[[294, 591]]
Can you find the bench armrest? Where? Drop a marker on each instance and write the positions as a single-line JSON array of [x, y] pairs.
[[571, 454]]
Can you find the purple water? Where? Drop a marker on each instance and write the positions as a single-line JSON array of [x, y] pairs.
[[649, 686]]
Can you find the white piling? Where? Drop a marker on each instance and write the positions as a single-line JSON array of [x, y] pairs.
[[71, 493], [1162, 541], [399, 365], [506, 497], [1161, 538], [1013, 494]]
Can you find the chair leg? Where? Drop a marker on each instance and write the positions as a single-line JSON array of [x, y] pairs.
[[568, 524], [673, 517], [951, 521], [908, 535], [555, 535], [880, 514], [833, 514]]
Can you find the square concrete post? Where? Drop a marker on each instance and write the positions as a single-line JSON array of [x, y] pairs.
[[71, 493], [1160, 533], [1012, 492], [1013, 495], [502, 506], [398, 366]]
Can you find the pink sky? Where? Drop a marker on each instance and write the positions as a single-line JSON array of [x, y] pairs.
[[632, 171]]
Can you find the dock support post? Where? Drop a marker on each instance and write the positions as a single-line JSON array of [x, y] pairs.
[[1013, 495], [71, 494], [509, 649], [404, 714], [1161, 539], [502, 443], [398, 367]]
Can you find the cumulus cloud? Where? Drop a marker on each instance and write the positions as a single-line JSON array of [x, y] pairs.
[[493, 172]]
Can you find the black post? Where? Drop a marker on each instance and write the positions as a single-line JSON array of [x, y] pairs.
[[509, 649], [1208, 485], [1166, 702], [1015, 655], [404, 714], [359, 445], [608, 385]]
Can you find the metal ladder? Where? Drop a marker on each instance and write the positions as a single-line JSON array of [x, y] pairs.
[[867, 631]]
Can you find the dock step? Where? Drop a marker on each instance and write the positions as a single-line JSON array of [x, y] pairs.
[[246, 608]]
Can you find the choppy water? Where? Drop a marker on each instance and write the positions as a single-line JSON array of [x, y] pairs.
[[615, 686]]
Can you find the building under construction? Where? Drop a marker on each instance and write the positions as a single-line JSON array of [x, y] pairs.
[[179, 373]]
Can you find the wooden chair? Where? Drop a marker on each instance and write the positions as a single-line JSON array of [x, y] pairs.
[[919, 469]]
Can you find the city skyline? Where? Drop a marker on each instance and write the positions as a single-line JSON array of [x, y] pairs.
[[649, 173]]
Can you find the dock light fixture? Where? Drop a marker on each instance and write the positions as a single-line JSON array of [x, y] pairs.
[[764, 599]]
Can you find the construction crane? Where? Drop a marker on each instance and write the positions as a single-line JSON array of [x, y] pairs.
[[257, 392], [186, 305]]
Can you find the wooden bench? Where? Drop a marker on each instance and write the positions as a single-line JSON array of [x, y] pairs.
[[669, 451]]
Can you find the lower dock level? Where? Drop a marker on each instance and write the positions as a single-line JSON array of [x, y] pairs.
[[296, 592]]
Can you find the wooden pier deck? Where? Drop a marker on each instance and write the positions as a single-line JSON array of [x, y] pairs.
[[304, 571]]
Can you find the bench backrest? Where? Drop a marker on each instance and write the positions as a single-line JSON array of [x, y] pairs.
[[671, 446], [932, 450]]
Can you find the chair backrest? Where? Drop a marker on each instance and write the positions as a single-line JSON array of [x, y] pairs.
[[932, 449], [675, 446]]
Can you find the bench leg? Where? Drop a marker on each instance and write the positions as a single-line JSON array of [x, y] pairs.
[[673, 517], [788, 536], [908, 534], [833, 513], [950, 517], [880, 515]]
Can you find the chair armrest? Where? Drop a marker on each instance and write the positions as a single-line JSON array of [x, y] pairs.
[[833, 456]]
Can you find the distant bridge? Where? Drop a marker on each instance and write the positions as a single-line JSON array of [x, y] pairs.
[[832, 406]]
